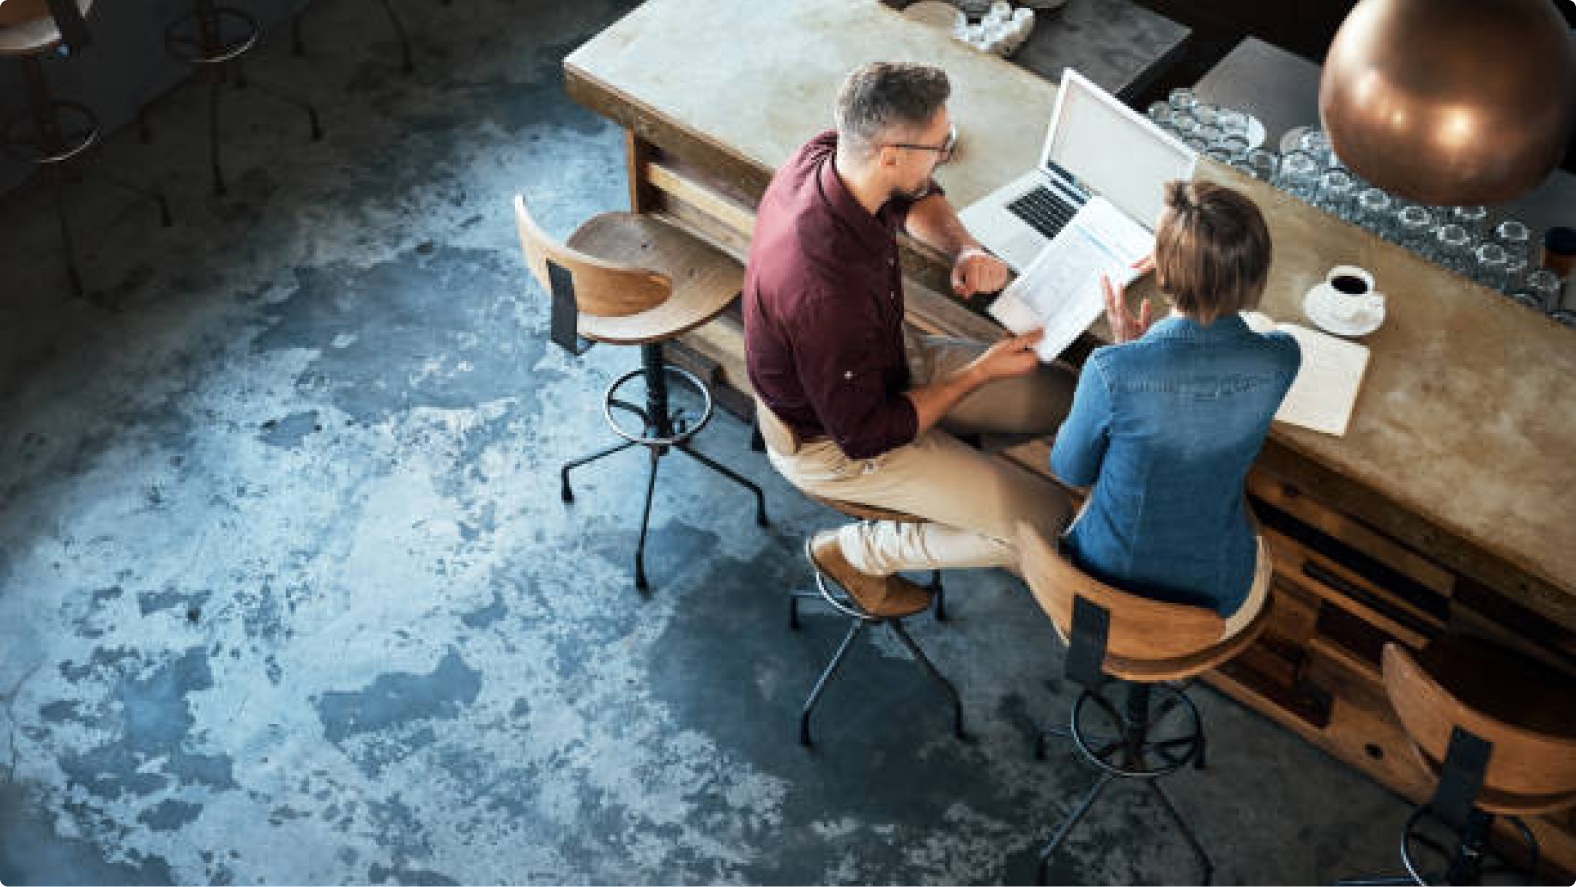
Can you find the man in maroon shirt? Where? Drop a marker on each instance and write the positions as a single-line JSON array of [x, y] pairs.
[[851, 408]]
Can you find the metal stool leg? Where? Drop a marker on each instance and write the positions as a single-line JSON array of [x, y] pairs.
[[213, 133], [793, 606], [645, 520], [1071, 822], [399, 32], [1187, 832], [564, 491], [826, 677], [65, 233], [725, 471], [923, 660], [242, 82], [165, 219]]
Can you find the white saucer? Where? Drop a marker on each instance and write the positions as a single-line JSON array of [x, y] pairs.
[[1325, 320]]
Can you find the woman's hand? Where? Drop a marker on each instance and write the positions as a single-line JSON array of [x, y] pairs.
[[1124, 326]]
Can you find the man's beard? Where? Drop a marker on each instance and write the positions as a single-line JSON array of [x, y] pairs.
[[914, 194]]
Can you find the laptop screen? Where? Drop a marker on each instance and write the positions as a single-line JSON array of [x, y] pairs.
[[1113, 150]]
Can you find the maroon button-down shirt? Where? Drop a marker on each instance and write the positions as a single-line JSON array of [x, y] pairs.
[[823, 309]]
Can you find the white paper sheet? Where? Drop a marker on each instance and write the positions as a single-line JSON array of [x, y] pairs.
[[1060, 290], [1325, 391]]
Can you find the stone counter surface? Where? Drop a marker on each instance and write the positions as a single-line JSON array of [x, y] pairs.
[[1467, 416]]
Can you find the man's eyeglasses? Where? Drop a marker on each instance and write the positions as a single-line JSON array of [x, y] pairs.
[[945, 149]]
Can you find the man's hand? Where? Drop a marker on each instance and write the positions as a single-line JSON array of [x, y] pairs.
[[1009, 357], [977, 271], [1124, 326]]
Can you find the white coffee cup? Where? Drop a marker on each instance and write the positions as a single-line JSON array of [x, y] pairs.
[[1348, 295]]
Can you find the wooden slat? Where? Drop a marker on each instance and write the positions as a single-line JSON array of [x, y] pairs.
[[1293, 501], [1335, 583]]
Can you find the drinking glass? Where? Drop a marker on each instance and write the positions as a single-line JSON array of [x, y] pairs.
[[1209, 133], [1374, 211], [1299, 176], [1184, 124], [1235, 146], [1473, 218], [1544, 288], [1515, 273], [1316, 144], [1489, 265], [1516, 238], [1162, 114], [1182, 99], [1453, 248], [1206, 114], [1262, 164], [1196, 143], [1233, 122], [1337, 194], [1415, 229]]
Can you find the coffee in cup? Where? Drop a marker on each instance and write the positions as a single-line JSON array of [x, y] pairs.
[[1347, 296]]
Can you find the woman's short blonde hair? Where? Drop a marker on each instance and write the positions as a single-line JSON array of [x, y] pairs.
[[1212, 250]]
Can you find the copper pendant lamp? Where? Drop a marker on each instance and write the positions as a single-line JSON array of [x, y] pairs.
[[1451, 102]]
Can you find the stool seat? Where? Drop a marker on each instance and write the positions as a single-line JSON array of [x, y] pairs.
[[1506, 698], [27, 28], [704, 279], [860, 511]]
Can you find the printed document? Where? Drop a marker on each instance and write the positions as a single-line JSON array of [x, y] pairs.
[[1325, 390], [1060, 290]]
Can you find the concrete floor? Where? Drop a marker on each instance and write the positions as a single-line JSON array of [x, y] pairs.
[[287, 594]]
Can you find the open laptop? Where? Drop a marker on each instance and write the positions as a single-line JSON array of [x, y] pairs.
[[1096, 145]]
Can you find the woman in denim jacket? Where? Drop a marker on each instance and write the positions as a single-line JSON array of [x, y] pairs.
[[1167, 421]]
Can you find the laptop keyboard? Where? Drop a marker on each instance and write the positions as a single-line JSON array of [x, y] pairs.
[[1043, 211]]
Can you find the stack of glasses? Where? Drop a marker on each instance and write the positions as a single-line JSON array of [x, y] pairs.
[[1500, 257]]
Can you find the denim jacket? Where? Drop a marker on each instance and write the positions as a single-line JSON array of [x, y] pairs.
[[1165, 427]]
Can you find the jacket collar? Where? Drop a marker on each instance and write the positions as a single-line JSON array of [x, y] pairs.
[[1175, 326]]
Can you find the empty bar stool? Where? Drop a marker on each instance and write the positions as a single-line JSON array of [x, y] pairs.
[[1498, 732], [860, 618], [52, 133], [212, 39], [627, 279], [1146, 645]]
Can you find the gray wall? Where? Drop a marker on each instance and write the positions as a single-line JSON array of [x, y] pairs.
[[126, 65]]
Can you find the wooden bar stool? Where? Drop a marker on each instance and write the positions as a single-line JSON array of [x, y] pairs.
[[627, 279], [860, 618], [1146, 645], [212, 39], [51, 134], [1498, 732]]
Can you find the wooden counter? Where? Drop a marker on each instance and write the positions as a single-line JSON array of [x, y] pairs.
[[1449, 503]]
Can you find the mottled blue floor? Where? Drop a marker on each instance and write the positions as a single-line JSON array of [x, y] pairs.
[[287, 593]]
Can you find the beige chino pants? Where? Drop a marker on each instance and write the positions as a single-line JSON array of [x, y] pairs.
[[972, 500]]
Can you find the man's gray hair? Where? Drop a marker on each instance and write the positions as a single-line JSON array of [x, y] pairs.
[[880, 97]]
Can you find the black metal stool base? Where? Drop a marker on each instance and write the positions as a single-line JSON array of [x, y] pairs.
[[63, 132], [1126, 752], [858, 619], [214, 38], [662, 430], [1468, 863]]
